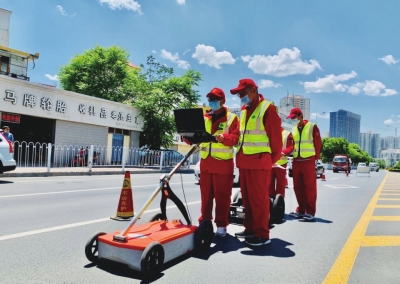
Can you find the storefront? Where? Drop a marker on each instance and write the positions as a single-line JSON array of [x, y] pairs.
[[40, 114]]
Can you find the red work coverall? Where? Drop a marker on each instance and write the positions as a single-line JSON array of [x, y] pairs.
[[278, 180], [255, 175], [216, 177], [304, 176]]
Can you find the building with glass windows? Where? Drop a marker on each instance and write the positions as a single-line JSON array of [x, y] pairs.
[[370, 142], [345, 124]]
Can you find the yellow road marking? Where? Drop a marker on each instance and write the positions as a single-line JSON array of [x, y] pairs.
[[390, 194], [383, 191], [341, 269], [380, 241], [387, 206], [395, 199], [385, 218]]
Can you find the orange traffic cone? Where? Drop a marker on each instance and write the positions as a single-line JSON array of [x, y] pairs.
[[125, 205], [323, 175]]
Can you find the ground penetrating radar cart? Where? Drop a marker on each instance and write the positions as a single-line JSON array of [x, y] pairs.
[[148, 246]]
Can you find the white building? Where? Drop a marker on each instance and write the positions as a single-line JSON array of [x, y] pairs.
[[370, 142], [390, 142], [291, 101], [391, 156]]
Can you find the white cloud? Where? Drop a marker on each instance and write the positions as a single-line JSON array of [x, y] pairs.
[[53, 78], [389, 59], [210, 56], [186, 51], [329, 84], [175, 58], [314, 115], [63, 12], [154, 51], [180, 2], [287, 62], [263, 84], [332, 83], [388, 121], [122, 4]]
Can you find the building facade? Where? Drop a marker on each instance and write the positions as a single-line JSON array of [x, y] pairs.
[[370, 142], [345, 124], [291, 101]]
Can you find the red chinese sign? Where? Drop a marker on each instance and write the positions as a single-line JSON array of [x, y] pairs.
[[10, 117]]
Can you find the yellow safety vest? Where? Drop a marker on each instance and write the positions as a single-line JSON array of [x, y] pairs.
[[304, 144], [284, 159], [253, 138], [218, 150]]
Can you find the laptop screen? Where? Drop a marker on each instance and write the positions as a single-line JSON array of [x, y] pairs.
[[189, 120]]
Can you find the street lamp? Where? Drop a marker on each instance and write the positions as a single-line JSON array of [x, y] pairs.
[[395, 134], [316, 116]]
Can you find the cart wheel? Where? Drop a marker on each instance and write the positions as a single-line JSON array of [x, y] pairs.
[[152, 259], [92, 247], [203, 236], [278, 209], [157, 217]]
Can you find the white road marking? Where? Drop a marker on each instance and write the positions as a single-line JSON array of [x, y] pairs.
[[341, 186], [79, 190], [57, 228]]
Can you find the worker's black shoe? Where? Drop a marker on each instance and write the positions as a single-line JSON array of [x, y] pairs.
[[244, 235], [256, 241]]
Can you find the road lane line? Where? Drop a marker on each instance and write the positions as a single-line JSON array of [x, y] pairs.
[[79, 190], [390, 194], [385, 218], [68, 226], [388, 206], [341, 269], [394, 199], [390, 190], [381, 241]]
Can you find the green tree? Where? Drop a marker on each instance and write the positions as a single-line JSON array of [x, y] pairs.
[[157, 93], [100, 72], [358, 155], [332, 146]]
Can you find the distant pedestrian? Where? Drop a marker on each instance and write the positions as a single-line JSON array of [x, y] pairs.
[[8, 134], [307, 147]]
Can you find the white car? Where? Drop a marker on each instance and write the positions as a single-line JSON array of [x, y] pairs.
[[235, 174], [7, 162]]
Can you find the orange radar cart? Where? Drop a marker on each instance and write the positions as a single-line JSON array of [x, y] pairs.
[[146, 247]]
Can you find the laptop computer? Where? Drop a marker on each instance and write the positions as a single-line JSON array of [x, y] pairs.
[[190, 123]]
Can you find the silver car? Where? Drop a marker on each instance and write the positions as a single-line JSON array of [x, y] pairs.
[[7, 162]]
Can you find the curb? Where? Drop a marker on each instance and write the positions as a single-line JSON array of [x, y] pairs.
[[87, 173]]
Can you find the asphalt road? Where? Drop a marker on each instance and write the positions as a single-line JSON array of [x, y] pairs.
[[46, 221]]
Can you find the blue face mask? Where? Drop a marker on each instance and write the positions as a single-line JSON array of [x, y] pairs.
[[246, 100], [214, 105]]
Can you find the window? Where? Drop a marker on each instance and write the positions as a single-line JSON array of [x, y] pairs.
[[4, 64]]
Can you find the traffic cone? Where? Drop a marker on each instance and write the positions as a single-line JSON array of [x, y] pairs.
[[323, 175], [125, 205], [347, 173]]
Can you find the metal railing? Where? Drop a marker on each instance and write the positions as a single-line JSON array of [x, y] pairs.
[[29, 154]]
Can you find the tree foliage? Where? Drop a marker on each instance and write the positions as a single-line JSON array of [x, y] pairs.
[[157, 93], [332, 146], [100, 72], [358, 155]]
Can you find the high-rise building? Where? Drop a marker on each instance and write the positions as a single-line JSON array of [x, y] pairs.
[[370, 142], [390, 142], [291, 101], [345, 124]]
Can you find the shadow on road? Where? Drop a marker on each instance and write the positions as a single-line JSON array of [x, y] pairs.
[[277, 248], [316, 220], [5, 181]]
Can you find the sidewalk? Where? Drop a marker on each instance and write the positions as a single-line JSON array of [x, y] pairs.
[[82, 171]]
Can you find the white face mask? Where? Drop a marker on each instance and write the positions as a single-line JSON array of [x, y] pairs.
[[294, 121]]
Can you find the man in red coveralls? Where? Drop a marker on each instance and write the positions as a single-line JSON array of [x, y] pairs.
[[278, 181], [307, 147], [216, 165], [259, 147]]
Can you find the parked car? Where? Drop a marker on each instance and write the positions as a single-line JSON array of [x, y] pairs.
[[236, 179], [148, 157], [7, 162], [374, 167]]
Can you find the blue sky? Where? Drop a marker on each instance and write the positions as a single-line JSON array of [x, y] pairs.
[[339, 54]]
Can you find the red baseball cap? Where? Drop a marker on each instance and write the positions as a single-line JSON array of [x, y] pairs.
[[294, 112], [243, 84], [216, 94]]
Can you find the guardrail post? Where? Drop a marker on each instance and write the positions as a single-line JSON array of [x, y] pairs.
[[90, 158], [161, 160], [123, 158], [48, 156]]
